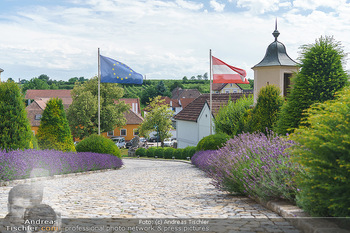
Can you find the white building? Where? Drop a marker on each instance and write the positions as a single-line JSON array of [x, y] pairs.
[[193, 122]]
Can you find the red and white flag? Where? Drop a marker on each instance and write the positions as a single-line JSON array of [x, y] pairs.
[[224, 73]]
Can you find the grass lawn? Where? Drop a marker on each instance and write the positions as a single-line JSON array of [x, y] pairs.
[[124, 152]]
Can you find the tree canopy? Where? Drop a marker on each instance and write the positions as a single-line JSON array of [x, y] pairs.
[[83, 112], [158, 119], [54, 132], [15, 131]]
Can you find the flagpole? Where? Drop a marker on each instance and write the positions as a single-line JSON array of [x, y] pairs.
[[99, 98], [211, 97]]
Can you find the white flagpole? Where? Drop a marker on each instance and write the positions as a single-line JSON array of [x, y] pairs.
[[99, 98], [211, 89]]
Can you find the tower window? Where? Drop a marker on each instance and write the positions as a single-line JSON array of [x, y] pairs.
[[286, 83]]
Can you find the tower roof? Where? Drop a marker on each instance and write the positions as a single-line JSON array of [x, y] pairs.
[[276, 54]]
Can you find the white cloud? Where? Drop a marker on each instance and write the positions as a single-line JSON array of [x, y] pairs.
[[218, 7], [189, 5], [314, 4], [158, 38], [259, 6]]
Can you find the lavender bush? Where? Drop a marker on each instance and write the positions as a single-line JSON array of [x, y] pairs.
[[18, 164], [252, 164]]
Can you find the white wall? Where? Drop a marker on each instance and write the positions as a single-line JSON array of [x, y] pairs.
[[189, 133], [186, 133]]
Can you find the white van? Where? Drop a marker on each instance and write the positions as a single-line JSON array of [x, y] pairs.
[[119, 141]]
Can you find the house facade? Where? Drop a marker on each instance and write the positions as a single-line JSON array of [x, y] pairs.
[[37, 100], [193, 122], [225, 88]]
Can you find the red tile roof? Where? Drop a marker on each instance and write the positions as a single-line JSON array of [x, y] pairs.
[[179, 93], [185, 101], [193, 110], [132, 118], [134, 104], [37, 94]]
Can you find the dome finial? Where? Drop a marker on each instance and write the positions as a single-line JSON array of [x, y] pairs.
[[276, 32]]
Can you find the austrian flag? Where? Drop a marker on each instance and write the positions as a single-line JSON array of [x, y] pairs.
[[224, 73]]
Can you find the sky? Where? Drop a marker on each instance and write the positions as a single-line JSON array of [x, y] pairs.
[[161, 39]]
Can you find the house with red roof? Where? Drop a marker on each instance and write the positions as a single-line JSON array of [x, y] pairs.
[[37, 100], [193, 122]]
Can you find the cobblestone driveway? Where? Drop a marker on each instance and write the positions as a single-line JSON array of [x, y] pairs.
[[153, 189]]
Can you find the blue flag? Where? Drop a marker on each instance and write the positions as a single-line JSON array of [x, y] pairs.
[[113, 71]]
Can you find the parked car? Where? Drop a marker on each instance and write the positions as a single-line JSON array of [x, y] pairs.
[[142, 139], [119, 141], [154, 139], [168, 142], [128, 144]]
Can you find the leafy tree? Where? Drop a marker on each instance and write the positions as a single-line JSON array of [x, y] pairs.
[[228, 118], [73, 80], [15, 131], [44, 77], [36, 83], [158, 119], [175, 85], [150, 92], [320, 77], [54, 132], [161, 89], [199, 77], [323, 150], [205, 76], [264, 115], [83, 112], [184, 79], [193, 78]]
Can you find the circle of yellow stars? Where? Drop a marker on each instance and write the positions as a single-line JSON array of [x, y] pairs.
[[126, 77]]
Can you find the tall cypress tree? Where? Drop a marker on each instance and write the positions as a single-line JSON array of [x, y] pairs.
[[15, 131], [320, 77], [54, 132]]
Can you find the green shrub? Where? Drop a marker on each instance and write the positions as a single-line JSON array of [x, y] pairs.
[[324, 153], [98, 144], [54, 132], [159, 152], [169, 152], [320, 77], [212, 142], [264, 115], [228, 118], [140, 152], [150, 152], [15, 131], [178, 153], [189, 152]]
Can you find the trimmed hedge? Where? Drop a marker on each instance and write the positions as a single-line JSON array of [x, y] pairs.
[[98, 144], [141, 152], [212, 142], [169, 152]]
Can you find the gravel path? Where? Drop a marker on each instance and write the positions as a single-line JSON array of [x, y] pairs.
[[154, 189]]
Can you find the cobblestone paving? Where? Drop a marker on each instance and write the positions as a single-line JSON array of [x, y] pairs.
[[155, 189]]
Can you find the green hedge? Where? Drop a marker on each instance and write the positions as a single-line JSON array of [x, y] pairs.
[[140, 152], [212, 142], [98, 144], [168, 152], [323, 150]]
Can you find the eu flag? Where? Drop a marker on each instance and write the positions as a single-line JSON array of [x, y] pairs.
[[113, 71]]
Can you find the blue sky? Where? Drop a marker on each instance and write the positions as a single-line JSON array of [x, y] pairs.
[[165, 39]]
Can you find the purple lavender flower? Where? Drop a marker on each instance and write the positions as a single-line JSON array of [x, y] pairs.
[[18, 164]]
